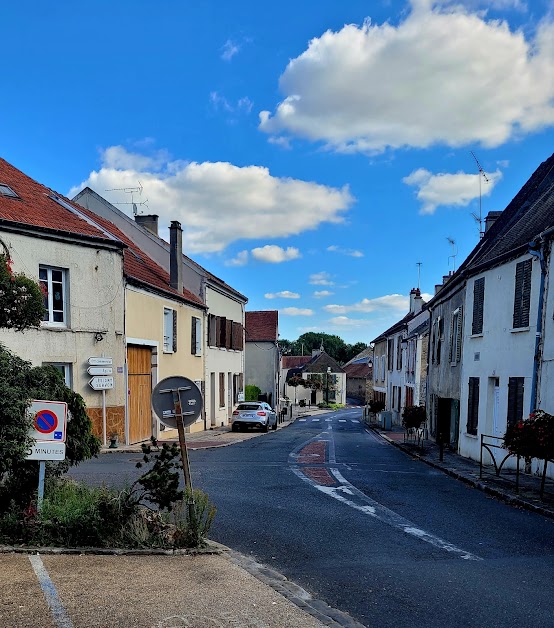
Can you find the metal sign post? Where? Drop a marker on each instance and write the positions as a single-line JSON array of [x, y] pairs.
[[169, 399]]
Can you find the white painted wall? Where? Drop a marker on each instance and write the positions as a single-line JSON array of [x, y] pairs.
[[95, 295], [546, 387], [502, 351]]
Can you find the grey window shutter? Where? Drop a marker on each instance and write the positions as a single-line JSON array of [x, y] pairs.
[[459, 334], [193, 336], [516, 389], [522, 294], [473, 406], [174, 330], [452, 342], [478, 305]]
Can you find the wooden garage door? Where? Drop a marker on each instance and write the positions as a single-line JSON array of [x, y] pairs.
[[139, 361]]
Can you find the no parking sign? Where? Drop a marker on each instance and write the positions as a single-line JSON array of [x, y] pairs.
[[49, 420]]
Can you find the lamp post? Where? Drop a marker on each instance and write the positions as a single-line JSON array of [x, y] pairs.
[[327, 386]]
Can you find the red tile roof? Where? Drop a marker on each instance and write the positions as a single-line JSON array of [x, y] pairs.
[[262, 326], [138, 266], [294, 361], [35, 208]]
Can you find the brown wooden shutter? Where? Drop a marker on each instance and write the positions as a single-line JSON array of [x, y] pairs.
[[212, 342], [222, 390], [174, 330], [516, 388], [478, 306], [473, 406], [228, 333], [522, 294]]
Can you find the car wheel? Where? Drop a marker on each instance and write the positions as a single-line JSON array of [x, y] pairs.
[[274, 426], [265, 427], [234, 427]]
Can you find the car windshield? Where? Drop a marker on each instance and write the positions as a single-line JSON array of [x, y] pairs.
[[249, 406]]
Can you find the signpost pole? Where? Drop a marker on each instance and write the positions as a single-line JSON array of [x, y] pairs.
[[41, 474], [104, 417], [184, 451]]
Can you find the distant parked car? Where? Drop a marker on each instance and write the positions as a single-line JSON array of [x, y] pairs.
[[254, 414]]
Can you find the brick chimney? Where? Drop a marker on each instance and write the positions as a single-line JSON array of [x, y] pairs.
[[149, 222], [415, 301], [176, 256]]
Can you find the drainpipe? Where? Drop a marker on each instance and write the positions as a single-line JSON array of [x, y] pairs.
[[537, 249]]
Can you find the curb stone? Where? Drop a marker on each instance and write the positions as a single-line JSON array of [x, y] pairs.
[[512, 500], [294, 593]]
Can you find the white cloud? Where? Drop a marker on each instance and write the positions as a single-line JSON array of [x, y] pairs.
[[230, 49], [350, 252], [296, 311], [443, 75], [217, 202], [320, 294], [321, 279], [283, 142], [220, 103], [284, 294], [344, 321], [454, 190], [241, 259], [275, 254], [387, 302]]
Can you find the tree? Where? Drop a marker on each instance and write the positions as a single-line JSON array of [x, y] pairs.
[[21, 299], [332, 344]]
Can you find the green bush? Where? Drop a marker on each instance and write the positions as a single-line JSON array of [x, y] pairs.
[[251, 392]]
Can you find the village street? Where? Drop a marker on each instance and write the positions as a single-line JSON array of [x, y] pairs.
[[369, 530]]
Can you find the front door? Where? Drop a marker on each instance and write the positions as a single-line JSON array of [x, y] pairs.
[[139, 365]]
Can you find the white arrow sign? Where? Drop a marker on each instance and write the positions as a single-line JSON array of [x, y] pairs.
[[99, 370], [100, 361], [101, 383]]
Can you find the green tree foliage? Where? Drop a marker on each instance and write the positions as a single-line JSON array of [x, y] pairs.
[[251, 392], [21, 299], [333, 345]]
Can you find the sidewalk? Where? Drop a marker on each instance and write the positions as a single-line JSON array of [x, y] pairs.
[[503, 487]]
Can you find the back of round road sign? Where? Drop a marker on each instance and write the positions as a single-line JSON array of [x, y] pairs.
[[172, 390]]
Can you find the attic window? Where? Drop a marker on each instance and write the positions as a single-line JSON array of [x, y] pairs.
[[5, 190]]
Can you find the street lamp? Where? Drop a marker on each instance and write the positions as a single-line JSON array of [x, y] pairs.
[[327, 386]]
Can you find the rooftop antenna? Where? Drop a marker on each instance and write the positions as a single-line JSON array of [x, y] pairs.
[[418, 264], [479, 218], [132, 192], [452, 257]]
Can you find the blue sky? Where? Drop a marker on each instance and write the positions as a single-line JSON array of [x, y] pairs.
[[313, 151]]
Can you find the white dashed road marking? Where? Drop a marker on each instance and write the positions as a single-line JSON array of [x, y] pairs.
[[315, 420], [301, 420], [342, 420], [59, 615]]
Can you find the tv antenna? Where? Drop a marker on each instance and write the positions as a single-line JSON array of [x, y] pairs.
[[452, 257], [479, 217], [132, 192], [418, 264]]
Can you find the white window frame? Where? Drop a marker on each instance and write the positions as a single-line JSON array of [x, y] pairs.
[[198, 334], [49, 310], [66, 369], [168, 330]]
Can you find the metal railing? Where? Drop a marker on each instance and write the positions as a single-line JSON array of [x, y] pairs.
[[489, 447]]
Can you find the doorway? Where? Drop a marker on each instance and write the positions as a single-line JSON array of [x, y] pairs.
[[139, 365]]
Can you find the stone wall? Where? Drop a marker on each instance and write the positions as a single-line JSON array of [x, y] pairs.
[[115, 422]]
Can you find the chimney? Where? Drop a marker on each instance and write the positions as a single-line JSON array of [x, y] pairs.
[[491, 218], [438, 286], [176, 256], [415, 301], [150, 223]]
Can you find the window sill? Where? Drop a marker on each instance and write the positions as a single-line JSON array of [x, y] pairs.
[[517, 330], [54, 326], [476, 336], [167, 352], [472, 436]]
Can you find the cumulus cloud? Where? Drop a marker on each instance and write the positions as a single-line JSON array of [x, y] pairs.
[[454, 190], [321, 279], [284, 294], [241, 259], [229, 50], [344, 321], [442, 75], [217, 202], [385, 303], [350, 252], [320, 294], [220, 103], [274, 254], [296, 311]]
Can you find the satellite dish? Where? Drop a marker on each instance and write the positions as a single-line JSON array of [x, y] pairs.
[[171, 391]]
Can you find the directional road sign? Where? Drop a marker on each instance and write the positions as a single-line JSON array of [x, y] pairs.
[[100, 361], [101, 383], [49, 420], [172, 390], [99, 370]]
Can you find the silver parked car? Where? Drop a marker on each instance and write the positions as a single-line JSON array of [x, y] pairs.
[[254, 414]]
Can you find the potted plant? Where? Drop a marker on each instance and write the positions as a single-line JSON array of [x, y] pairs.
[[413, 416], [114, 440]]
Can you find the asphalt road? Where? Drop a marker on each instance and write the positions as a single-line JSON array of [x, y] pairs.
[[362, 526]]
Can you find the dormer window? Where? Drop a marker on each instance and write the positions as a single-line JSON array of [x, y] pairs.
[[5, 190]]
